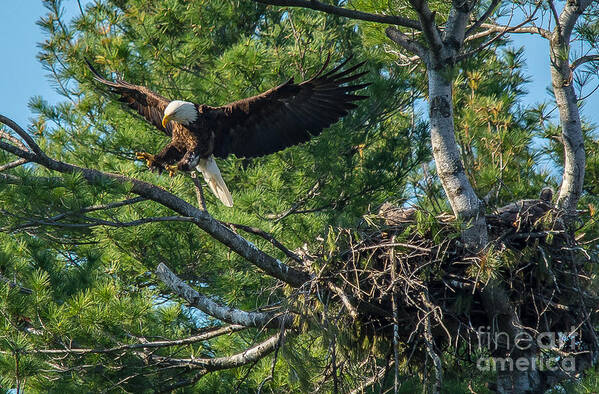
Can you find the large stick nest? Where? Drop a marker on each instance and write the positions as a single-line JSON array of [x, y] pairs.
[[407, 270]]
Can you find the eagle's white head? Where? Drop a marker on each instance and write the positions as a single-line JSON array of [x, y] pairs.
[[182, 112]]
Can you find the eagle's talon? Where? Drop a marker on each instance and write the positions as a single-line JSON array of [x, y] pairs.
[[148, 157], [172, 169]]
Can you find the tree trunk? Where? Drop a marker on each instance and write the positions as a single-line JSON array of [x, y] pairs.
[[464, 201], [567, 104], [565, 98]]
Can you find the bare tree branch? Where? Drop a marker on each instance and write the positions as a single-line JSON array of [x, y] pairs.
[[482, 19], [147, 345], [496, 28], [202, 219], [344, 299], [95, 222], [12, 164], [215, 364], [198, 189], [373, 379], [52, 220], [23, 134], [582, 60], [221, 312], [266, 236], [405, 42], [429, 28], [558, 25], [16, 141], [10, 179], [102, 207], [340, 11], [182, 383], [497, 37]]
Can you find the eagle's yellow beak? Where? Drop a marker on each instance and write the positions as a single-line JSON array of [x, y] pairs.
[[165, 120]]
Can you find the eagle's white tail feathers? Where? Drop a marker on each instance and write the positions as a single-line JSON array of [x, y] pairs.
[[215, 181]]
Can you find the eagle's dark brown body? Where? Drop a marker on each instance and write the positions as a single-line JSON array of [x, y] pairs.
[[188, 144], [286, 115]]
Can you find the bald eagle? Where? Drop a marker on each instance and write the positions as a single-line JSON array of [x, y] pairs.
[[286, 115]]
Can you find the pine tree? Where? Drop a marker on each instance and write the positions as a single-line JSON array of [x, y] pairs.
[[106, 285]]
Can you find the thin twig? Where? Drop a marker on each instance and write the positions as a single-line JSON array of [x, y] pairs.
[[23, 134], [12, 164], [266, 236], [199, 190], [147, 345]]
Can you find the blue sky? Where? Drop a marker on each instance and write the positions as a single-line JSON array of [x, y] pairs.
[[22, 76]]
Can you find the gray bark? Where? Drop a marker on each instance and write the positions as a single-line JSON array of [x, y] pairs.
[[214, 309], [439, 56], [464, 201], [216, 364], [566, 101]]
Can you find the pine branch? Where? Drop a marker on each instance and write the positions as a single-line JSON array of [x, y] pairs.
[[202, 219], [22, 289], [340, 11]]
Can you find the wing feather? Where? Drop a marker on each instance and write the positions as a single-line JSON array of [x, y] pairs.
[[334, 70], [148, 104], [287, 115]]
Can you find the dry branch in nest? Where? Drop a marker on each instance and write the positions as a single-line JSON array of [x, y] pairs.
[[405, 277]]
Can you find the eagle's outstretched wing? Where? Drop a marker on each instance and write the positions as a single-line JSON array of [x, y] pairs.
[[286, 115], [148, 104]]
